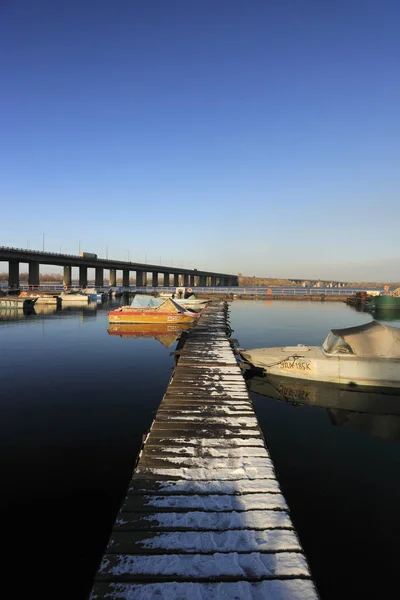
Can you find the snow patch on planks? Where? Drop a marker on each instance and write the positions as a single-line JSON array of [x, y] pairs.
[[204, 516]]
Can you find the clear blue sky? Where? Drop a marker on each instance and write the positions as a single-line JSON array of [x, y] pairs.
[[260, 137]]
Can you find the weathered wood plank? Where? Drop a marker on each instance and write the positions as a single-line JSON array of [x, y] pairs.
[[204, 442], [193, 473], [204, 520], [204, 542], [203, 567], [212, 502], [203, 452], [184, 486], [178, 429], [289, 589], [198, 462]]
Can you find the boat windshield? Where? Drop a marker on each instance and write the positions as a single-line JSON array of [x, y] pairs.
[[336, 345]]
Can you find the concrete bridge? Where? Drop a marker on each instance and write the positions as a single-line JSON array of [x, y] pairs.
[[325, 283], [35, 258]]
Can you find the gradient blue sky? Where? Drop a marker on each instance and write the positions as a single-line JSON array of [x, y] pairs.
[[260, 137]]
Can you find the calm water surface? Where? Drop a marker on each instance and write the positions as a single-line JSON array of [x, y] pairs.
[[76, 401]]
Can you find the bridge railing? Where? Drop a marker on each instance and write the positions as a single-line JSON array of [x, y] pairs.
[[235, 291]]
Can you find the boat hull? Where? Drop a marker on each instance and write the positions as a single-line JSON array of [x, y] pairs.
[[47, 299], [384, 303], [18, 303], [314, 365], [78, 298], [149, 316], [196, 306]]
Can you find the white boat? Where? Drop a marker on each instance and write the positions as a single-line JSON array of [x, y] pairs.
[[365, 355], [76, 297], [7, 302], [95, 295], [195, 304]]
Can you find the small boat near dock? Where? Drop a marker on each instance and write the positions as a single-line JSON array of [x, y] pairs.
[[76, 297], [192, 303], [148, 309], [365, 355], [7, 302], [95, 295], [42, 298], [389, 301]]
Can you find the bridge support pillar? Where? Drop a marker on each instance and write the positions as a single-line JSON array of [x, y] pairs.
[[33, 276], [155, 279], [13, 273], [139, 278], [202, 281], [99, 277], [113, 277], [213, 281], [67, 278], [82, 276], [186, 280], [125, 277], [176, 279], [166, 279], [191, 280]]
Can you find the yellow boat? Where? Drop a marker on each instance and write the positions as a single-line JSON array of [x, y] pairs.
[[147, 309], [162, 332]]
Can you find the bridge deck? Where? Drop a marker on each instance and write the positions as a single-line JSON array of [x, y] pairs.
[[204, 516]]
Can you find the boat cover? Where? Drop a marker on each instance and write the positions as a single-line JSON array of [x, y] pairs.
[[166, 304], [372, 339], [145, 301]]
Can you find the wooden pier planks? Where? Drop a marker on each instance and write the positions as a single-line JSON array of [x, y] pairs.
[[204, 516]]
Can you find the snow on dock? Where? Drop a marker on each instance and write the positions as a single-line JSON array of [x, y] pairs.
[[204, 517]]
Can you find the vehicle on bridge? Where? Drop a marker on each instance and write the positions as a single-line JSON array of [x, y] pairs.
[[87, 255]]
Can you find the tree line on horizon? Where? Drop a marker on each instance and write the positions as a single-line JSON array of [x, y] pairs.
[[244, 281]]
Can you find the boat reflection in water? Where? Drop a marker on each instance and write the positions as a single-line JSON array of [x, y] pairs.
[[375, 411], [16, 314], [381, 314], [163, 332], [46, 309]]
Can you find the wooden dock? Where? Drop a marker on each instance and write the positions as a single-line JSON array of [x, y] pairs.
[[204, 517]]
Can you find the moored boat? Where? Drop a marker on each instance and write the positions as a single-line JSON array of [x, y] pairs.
[[365, 355], [78, 297], [16, 302], [95, 295], [385, 301], [147, 309], [42, 298], [195, 304]]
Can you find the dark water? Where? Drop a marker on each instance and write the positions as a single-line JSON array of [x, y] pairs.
[[75, 402]]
